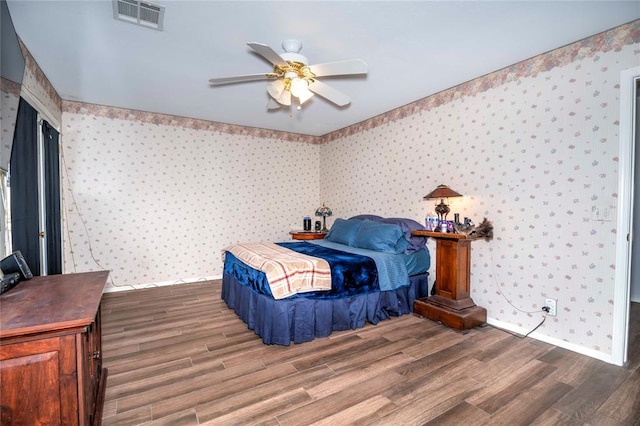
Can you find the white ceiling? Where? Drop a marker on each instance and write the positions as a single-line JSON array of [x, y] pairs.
[[413, 49]]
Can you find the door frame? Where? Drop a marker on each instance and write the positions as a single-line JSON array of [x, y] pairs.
[[44, 114], [622, 284]]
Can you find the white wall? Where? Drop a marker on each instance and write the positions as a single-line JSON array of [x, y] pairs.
[[156, 198], [533, 148]]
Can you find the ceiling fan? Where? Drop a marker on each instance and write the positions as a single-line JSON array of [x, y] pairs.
[[293, 76]]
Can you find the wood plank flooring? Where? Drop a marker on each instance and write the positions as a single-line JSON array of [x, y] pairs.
[[178, 356]]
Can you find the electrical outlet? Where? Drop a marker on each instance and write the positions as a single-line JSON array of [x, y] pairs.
[[551, 304]]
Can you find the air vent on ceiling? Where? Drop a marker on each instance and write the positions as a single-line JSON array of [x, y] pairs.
[[139, 12]]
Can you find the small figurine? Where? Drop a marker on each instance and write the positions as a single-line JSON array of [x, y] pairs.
[[484, 230], [464, 228]]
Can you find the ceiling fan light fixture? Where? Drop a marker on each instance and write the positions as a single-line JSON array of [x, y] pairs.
[[299, 86], [275, 88], [285, 98], [273, 104], [305, 96]]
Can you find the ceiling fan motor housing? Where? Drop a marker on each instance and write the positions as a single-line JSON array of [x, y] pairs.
[[292, 52]]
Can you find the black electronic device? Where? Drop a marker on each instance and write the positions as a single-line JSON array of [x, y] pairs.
[[15, 263], [9, 281]]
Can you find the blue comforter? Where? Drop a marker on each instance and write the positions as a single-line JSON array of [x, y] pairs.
[[392, 268], [351, 273]]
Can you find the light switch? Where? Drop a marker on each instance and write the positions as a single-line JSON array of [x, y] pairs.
[[601, 213]]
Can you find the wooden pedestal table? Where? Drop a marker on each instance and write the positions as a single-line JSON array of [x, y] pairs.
[[452, 304]]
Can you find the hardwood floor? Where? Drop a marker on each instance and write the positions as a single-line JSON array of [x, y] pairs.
[[178, 356]]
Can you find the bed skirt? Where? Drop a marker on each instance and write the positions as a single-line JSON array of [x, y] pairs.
[[300, 320]]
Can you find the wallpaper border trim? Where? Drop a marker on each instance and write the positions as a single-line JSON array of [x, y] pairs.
[[606, 41], [8, 86], [186, 122], [41, 79], [613, 39]]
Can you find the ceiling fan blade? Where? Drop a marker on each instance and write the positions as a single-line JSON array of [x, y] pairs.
[[353, 66], [241, 78], [268, 53], [329, 93]]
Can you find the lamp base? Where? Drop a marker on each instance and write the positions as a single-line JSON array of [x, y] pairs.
[[324, 224], [442, 210]]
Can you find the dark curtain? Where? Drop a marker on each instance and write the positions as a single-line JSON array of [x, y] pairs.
[[52, 199], [23, 175]]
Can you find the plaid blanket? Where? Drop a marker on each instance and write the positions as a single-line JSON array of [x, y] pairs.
[[288, 272]]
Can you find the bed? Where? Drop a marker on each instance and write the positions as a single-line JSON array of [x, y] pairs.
[[367, 269]]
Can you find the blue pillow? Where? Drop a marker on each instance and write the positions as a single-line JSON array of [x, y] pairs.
[[383, 237], [372, 217], [402, 246], [343, 231], [408, 225]]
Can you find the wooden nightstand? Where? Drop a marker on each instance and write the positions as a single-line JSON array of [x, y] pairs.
[[452, 304], [307, 235]]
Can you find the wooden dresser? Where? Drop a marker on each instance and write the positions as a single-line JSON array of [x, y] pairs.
[[50, 351]]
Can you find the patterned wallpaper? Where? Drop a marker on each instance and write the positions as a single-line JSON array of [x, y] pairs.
[[534, 154], [607, 41], [10, 98], [156, 203], [533, 148]]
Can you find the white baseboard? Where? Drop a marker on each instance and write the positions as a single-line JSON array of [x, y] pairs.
[[114, 289], [553, 341]]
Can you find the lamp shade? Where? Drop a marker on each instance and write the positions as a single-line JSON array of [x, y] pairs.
[[442, 191], [324, 211]]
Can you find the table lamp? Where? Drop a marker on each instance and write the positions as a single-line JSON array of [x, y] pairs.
[[442, 192], [324, 211]]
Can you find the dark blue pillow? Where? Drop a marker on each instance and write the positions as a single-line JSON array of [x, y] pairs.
[[408, 225], [343, 231], [383, 237], [372, 217]]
